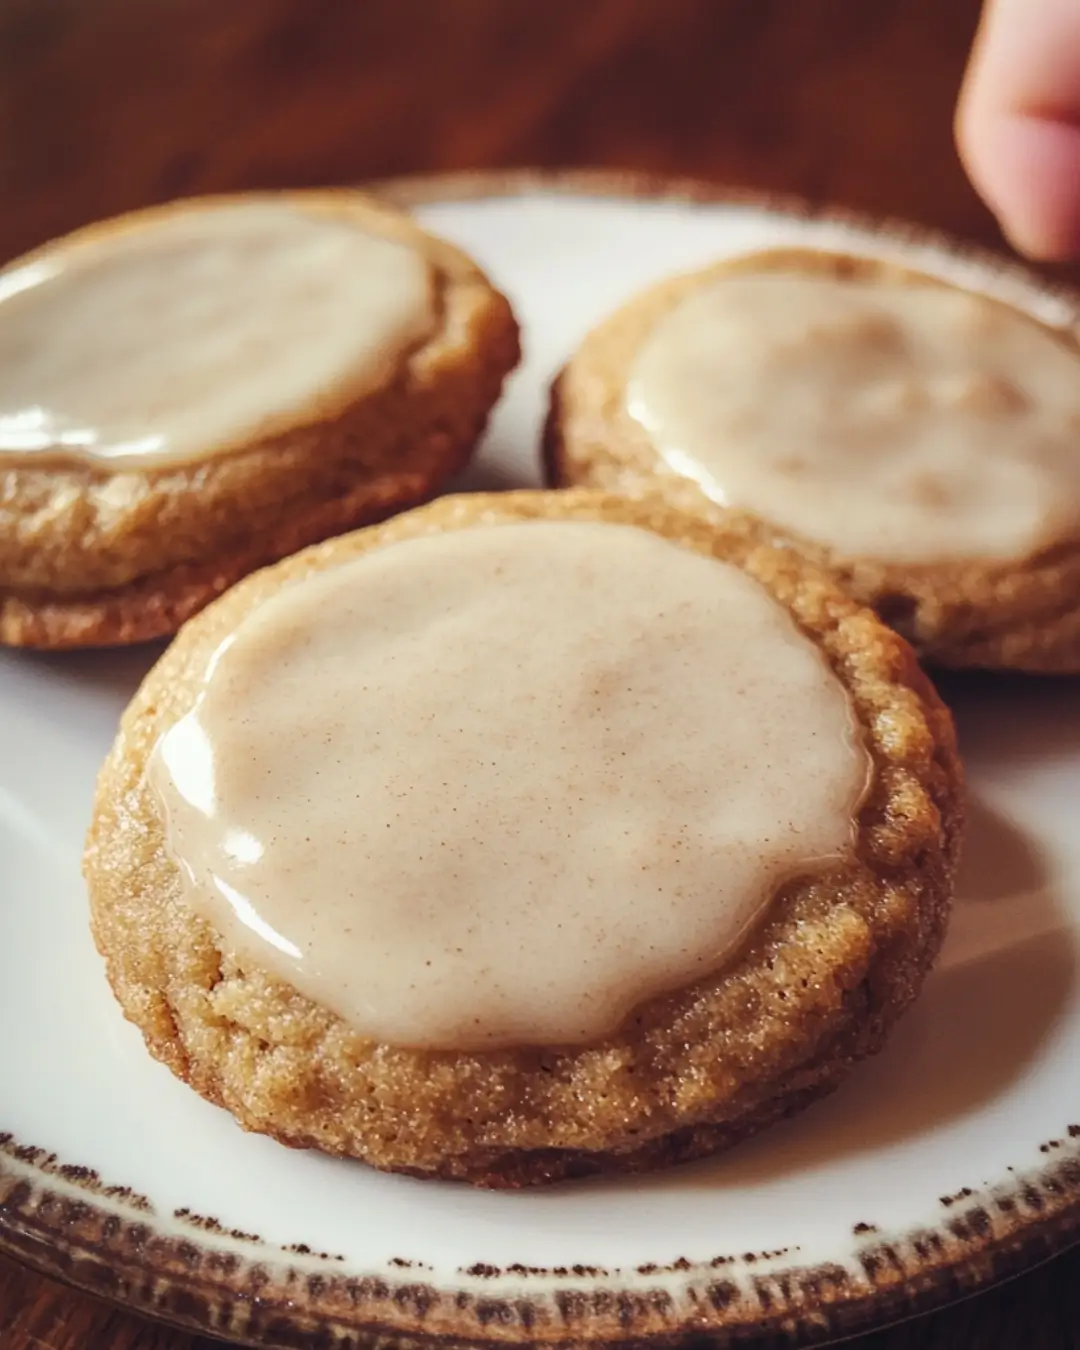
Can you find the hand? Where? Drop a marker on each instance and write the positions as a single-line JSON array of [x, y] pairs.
[[1018, 122]]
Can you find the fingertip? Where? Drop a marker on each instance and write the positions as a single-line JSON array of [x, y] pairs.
[[1033, 240], [1027, 170]]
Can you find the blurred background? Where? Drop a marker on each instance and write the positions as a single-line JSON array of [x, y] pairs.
[[111, 104]]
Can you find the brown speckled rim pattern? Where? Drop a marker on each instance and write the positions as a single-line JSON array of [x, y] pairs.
[[189, 1271], [65, 1221]]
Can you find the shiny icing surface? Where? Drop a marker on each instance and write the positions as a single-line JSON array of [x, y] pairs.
[[910, 422], [500, 786], [166, 342]]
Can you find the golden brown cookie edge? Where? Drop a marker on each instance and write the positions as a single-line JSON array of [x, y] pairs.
[[447, 387], [891, 978], [1022, 615]]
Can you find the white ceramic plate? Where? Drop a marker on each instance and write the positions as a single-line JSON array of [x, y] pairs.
[[948, 1161]]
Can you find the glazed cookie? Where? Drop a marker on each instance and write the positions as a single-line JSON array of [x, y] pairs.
[[919, 440], [525, 836], [190, 392]]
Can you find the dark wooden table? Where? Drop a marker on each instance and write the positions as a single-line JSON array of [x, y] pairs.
[[118, 103]]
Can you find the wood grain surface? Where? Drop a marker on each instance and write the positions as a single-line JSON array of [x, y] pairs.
[[118, 103]]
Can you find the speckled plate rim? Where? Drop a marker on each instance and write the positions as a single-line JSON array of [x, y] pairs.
[[63, 1221]]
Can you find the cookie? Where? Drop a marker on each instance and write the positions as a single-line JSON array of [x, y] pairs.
[[526, 836], [191, 392], [915, 438]]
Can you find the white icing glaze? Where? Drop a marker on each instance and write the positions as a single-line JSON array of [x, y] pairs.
[[170, 341], [501, 785], [908, 422]]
